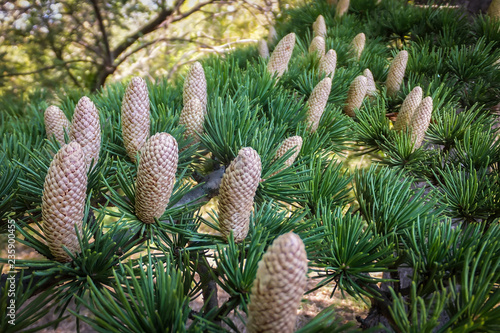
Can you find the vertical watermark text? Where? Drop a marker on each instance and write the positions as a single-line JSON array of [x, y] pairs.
[[11, 280]]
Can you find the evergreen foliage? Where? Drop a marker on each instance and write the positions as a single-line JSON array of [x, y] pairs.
[[432, 211]]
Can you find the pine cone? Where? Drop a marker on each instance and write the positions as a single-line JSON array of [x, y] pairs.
[[410, 104], [63, 200], [317, 102], [396, 73], [319, 27], [281, 55], [318, 46], [236, 193], [192, 117], [272, 37], [295, 143], [279, 286], [342, 7], [195, 85], [355, 96], [86, 130], [494, 9], [135, 116], [155, 176], [371, 88], [420, 121], [328, 63], [56, 123], [358, 44], [263, 49]]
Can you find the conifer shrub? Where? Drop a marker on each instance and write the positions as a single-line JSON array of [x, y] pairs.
[[118, 200]]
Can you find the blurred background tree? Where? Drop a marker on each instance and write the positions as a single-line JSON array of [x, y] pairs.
[[84, 44]]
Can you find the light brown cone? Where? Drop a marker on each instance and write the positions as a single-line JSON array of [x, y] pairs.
[[371, 88], [281, 55], [237, 192], [358, 45], [295, 143], [263, 49], [319, 27], [278, 287], [410, 104], [332, 2], [86, 130], [155, 176], [63, 200], [317, 46], [192, 117], [396, 73], [342, 7], [56, 123], [272, 37], [135, 116], [317, 102], [494, 9], [195, 85], [328, 63], [420, 121], [355, 95]]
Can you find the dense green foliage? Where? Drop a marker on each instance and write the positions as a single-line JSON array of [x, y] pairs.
[[432, 212]]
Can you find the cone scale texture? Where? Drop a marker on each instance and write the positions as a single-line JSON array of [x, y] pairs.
[[237, 192], [295, 143], [135, 116], [371, 88], [278, 287], [192, 117], [494, 9], [272, 37], [355, 95], [278, 63], [319, 27], [86, 130], [410, 104], [396, 73], [63, 200], [420, 121], [195, 85], [56, 123], [317, 46], [358, 45], [328, 63], [155, 176], [317, 102], [263, 49]]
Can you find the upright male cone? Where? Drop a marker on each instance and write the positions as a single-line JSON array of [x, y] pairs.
[[192, 117], [420, 121], [278, 287], [371, 88], [63, 200], [396, 73], [237, 191], [263, 49], [328, 63], [494, 9], [56, 123], [410, 104], [281, 55], [195, 85], [319, 27], [295, 143], [355, 95], [342, 7], [135, 116], [358, 45], [155, 176], [272, 37], [86, 130], [318, 46], [317, 102]]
